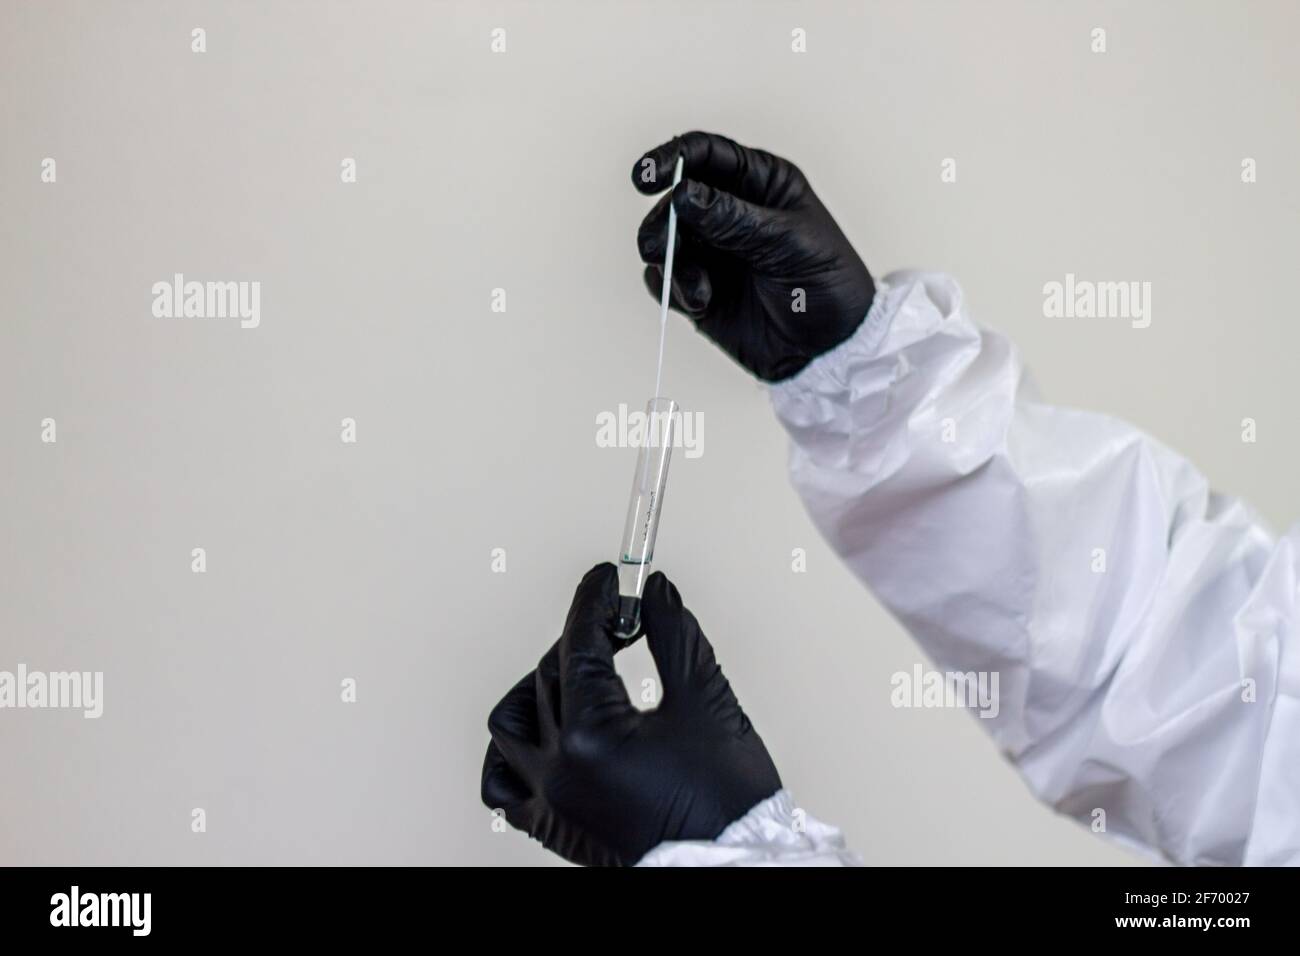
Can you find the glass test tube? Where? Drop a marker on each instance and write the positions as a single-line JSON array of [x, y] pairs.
[[643, 510]]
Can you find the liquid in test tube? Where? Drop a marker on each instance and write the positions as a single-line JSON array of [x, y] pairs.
[[644, 507]]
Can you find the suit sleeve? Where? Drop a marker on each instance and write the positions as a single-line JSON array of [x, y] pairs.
[[1142, 627]]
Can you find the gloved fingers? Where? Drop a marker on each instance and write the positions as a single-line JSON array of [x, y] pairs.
[[682, 654], [652, 237], [503, 789], [546, 687], [590, 689], [692, 289], [712, 159], [724, 222], [652, 234], [514, 727]]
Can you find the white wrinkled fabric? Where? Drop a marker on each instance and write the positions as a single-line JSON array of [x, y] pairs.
[[774, 833], [1120, 690]]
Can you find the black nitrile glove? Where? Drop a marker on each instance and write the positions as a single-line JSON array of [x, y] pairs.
[[577, 767], [751, 234]]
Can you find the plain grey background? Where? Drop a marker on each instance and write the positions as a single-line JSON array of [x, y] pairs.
[[476, 430]]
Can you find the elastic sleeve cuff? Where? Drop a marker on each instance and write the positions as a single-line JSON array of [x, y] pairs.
[[774, 833], [828, 369], [909, 305]]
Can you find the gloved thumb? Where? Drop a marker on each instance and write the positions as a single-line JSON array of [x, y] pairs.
[[589, 684], [722, 221], [682, 654]]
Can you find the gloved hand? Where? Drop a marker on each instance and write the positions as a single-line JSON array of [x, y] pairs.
[[577, 767], [750, 233]]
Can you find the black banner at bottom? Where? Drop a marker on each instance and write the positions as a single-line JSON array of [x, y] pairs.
[[101, 905]]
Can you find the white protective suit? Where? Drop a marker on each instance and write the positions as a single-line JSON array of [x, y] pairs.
[[1163, 688]]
